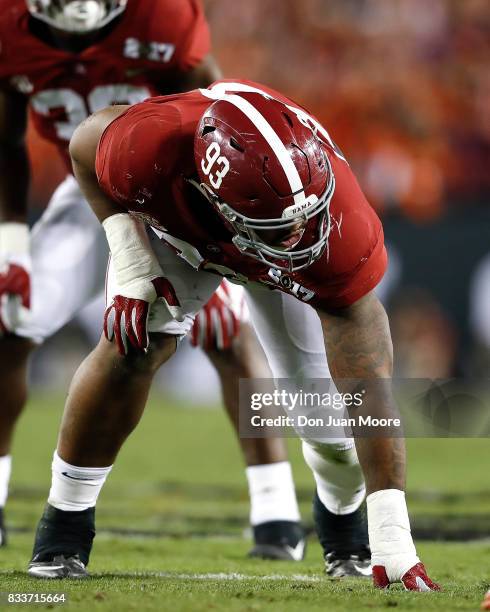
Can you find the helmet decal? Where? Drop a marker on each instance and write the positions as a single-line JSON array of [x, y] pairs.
[[213, 157]]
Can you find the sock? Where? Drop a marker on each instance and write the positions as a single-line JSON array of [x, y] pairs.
[[5, 468], [75, 488], [389, 533], [338, 476], [272, 494]]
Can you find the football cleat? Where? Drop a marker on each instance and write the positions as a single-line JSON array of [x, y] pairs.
[[281, 540], [345, 542], [415, 579], [344, 565], [58, 567], [63, 543], [3, 530]]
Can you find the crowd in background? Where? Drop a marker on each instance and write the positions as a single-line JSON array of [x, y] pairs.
[[403, 87]]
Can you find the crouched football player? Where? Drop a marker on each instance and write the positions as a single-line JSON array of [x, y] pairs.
[[234, 180]]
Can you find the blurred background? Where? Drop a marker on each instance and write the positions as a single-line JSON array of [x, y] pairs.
[[403, 87]]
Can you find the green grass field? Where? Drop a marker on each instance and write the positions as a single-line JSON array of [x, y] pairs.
[[172, 523]]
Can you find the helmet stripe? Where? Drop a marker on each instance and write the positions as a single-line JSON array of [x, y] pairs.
[[220, 90], [302, 115], [269, 135]]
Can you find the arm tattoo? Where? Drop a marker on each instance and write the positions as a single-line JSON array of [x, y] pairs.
[[358, 345], [358, 340]]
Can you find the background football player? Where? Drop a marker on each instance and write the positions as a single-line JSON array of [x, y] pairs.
[[244, 170], [64, 60]]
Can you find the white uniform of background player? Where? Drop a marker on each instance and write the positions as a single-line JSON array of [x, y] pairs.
[[69, 258], [66, 253]]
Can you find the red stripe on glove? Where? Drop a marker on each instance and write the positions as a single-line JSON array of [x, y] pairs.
[[216, 324]]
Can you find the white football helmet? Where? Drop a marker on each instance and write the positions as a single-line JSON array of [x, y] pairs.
[[77, 16]]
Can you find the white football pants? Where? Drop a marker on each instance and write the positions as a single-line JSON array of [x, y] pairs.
[[292, 337], [69, 259], [69, 262], [69, 254]]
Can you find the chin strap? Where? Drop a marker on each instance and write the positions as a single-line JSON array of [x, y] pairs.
[[203, 190]]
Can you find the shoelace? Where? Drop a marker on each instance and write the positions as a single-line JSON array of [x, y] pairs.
[[334, 557], [75, 560]]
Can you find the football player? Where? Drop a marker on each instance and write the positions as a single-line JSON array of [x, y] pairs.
[[235, 180], [63, 60]]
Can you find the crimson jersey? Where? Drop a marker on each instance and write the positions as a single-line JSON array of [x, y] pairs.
[[152, 40], [145, 162]]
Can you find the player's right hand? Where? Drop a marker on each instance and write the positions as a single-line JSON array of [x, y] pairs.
[[415, 579], [126, 318], [15, 283]]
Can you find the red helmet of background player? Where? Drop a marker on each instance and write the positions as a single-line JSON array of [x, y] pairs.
[[262, 165], [76, 16]]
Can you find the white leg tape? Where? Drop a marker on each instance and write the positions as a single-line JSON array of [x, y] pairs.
[[389, 533], [272, 494], [5, 469], [338, 476]]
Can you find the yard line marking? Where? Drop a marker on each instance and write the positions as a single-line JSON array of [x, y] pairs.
[[212, 576]]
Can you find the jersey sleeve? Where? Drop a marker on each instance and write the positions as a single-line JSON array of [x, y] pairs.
[[137, 152], [360, 281], [198, 40], [9, 60], [356, 259], [189, 30], [4, 69]]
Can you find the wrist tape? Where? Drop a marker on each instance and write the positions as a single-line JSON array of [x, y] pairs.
[[135, 264]]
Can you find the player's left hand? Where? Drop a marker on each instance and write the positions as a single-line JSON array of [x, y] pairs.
[[216, 324], [415, 579]]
